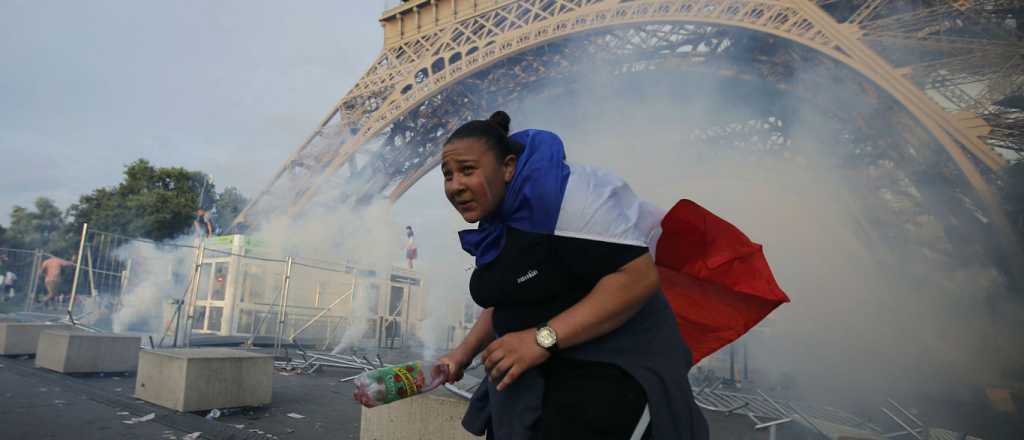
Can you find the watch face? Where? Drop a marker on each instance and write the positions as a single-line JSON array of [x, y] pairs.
[[546, 337]]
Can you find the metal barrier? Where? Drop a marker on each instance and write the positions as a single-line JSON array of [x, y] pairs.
[[18, 274], [223, 286], [99, 268]]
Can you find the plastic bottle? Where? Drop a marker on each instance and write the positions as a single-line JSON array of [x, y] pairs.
[[388, 384]]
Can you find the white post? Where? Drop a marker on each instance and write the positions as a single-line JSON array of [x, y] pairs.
[[92, 282], [190, 302], [125, 276], [33, 282], [78, 267], [283, 313], [232, 287]]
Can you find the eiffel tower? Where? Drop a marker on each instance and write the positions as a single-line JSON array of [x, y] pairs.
[[944, 75]]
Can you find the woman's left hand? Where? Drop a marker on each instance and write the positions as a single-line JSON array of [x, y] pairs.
[[509, 356]]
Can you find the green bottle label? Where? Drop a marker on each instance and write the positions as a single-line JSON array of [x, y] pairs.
[[397, 382]]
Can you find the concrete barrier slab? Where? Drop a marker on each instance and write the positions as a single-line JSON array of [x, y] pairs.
[[197, 379], [425, 417], [19, 338], [81, 352]]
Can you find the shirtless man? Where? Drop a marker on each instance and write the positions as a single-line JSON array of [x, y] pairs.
[[50, 269]]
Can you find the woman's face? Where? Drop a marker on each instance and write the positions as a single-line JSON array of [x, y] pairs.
[[474, 179]]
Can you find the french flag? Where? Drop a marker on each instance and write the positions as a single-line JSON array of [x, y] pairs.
[[716, 280]]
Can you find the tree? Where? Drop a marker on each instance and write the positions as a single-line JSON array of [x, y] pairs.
[[154, 203], [229, 204], [43, 228]]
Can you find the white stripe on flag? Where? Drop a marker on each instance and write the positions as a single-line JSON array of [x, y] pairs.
[[600, 206]]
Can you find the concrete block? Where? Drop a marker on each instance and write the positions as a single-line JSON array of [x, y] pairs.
[[427, 417], [18, 338], [81, 352], [197, 379]]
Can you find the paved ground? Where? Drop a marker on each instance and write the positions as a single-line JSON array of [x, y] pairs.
[[35, 404], [40, 404]]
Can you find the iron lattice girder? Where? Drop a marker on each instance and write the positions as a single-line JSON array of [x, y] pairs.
[[402, 78], [762, 130], [515, 77], [1007, 129], [776, 16], [763, 134]]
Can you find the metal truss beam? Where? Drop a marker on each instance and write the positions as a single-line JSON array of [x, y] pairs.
[[432, 47]]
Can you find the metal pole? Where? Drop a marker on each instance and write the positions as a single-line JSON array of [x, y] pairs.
[[732, 362], [811, 422], [320, 315], [912, 431], [193, 293], [905, 412], [408, 311], [177, 323], [283, 314], [380, 331], [78, 267], [746, 363], [33, 282], [92, 282], [125, 276]]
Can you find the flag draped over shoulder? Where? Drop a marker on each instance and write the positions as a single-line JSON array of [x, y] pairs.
[[716, 280]]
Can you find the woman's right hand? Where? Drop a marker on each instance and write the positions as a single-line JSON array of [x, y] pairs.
[[457, 363]]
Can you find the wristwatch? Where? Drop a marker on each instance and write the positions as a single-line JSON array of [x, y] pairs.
[[547, 338]]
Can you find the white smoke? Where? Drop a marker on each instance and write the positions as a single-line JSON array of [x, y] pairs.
[[159, 274], [884, 301]]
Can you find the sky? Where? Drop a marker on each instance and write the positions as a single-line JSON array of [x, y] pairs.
[[228, 87]]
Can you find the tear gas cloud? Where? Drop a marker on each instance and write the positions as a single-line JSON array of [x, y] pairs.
[[883, 302]]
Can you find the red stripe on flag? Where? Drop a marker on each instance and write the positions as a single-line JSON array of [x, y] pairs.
[[717, 281]]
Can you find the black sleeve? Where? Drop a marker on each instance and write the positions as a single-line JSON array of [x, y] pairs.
[[592, 260]]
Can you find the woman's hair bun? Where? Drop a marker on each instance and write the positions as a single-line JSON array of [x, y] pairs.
[[493, 131], [501, 120]]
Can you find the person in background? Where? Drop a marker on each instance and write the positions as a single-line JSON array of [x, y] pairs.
[[50, 270], [410, 247], [6, 289], [9, 278], [203, 224]]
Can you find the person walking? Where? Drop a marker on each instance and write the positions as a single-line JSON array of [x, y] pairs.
[[50, 269]]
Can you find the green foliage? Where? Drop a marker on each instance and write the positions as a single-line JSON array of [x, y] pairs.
[[229, 204], [43, 227], [154, 203], [157, 203]]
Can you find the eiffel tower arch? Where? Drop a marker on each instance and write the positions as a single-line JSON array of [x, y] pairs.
[[944, 74]]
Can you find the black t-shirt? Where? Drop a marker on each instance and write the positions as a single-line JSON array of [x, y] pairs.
[[537, 276]]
